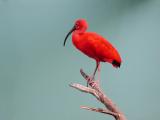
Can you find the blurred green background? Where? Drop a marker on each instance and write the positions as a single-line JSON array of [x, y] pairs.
[[35, 68]]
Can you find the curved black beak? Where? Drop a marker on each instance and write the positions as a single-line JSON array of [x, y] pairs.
[[68, 35]]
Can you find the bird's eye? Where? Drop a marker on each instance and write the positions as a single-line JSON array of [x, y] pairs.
[[77, 26]]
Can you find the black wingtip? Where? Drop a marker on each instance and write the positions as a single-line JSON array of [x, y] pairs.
[[116, 64]]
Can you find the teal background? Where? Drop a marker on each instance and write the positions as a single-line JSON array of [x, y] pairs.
[[35, 69]]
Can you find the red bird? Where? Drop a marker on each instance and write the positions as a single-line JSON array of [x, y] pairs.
[[93, 45]]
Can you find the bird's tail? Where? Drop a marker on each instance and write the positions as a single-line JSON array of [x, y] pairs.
[[116, 64]]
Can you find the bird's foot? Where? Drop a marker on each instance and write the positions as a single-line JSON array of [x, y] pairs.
[[92, 82]]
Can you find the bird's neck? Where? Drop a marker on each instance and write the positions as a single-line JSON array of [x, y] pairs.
[[76, 38]]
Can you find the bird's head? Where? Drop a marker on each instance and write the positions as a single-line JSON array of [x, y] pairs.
[[80, 26]]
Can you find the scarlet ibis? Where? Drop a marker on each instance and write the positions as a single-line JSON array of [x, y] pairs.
[[93, 45]]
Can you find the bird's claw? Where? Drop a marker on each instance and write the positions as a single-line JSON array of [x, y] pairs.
[[92, 82]]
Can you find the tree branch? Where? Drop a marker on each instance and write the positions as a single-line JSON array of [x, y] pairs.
[[85, 89], [96, 91], [105, 111]]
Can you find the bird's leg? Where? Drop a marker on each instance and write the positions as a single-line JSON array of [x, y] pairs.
[[99, 76], [97, 82], [97, 64], [94, 73]]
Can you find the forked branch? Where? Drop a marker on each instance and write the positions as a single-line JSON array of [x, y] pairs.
[[96, 91]]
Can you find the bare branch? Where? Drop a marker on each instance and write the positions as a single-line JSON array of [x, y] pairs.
[[105, 111], [96, 91], [85, 89]]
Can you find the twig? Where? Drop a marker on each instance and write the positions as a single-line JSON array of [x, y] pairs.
[[85, 89], [96, 91], [105, 111]]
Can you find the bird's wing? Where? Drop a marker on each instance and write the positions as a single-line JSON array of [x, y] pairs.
[[98, 46]]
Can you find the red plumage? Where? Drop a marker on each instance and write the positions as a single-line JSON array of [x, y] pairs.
[[93, 45]]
